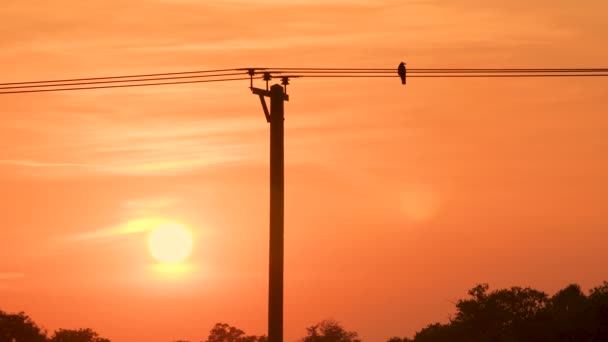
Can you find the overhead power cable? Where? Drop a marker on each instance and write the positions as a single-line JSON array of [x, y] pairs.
[[343, 69], [415, 71], [459, 76], [316, 70], [124, 76], [219, 75], [507, 75], [119, 81], [507, 69], [125, 85]]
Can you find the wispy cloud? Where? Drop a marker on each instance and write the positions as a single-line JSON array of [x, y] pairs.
[[130, 227], [151, 203], [10, 275], [144, 218], [32, 163], [144, 207], [6, 280], [125, 145]]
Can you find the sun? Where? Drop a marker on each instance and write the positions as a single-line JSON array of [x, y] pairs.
[[170, 243]]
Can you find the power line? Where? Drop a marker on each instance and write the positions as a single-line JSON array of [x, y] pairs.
[[508, 69], [458, 76], [415, 71], [239, 71], [119, 81], [207, 76], [124, 76], [343, 69], [587, 70], [509, 75], [125, 86]]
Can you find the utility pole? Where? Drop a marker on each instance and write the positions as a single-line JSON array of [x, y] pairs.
[[275, 272]]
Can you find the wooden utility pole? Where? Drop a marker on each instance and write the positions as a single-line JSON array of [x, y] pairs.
[[275, 272]]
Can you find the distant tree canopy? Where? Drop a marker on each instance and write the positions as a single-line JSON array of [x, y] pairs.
[[507, 315], [80, 335], [329, 331], [222, 332], [19, 327], [397, 339], [524, 314]]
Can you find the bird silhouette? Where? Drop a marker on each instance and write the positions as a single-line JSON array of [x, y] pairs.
[[401, 72]]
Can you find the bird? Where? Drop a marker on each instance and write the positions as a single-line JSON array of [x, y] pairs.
[[401, 72]]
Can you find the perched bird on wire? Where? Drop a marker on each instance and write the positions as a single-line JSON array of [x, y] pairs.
[[401, 72]]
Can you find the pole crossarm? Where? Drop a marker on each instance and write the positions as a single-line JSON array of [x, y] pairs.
[[261, 92]]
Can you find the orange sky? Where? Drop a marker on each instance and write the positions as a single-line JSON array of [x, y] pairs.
[[398, 199]]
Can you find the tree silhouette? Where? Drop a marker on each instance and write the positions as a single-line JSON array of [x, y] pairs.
[[498, 316], [524, 314], [569, 312], [508, 315], [598, 307], [329, 331], [80, 335], [222, 332], [398, 339], [19, 327]]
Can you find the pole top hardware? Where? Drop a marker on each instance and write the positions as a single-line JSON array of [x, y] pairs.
[[267, 76], [285, 81]]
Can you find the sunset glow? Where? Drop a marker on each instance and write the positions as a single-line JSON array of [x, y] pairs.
[[170, 243]]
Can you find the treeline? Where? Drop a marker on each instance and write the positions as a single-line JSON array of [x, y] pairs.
[[524, 314], [20, 328], [507, 315]]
